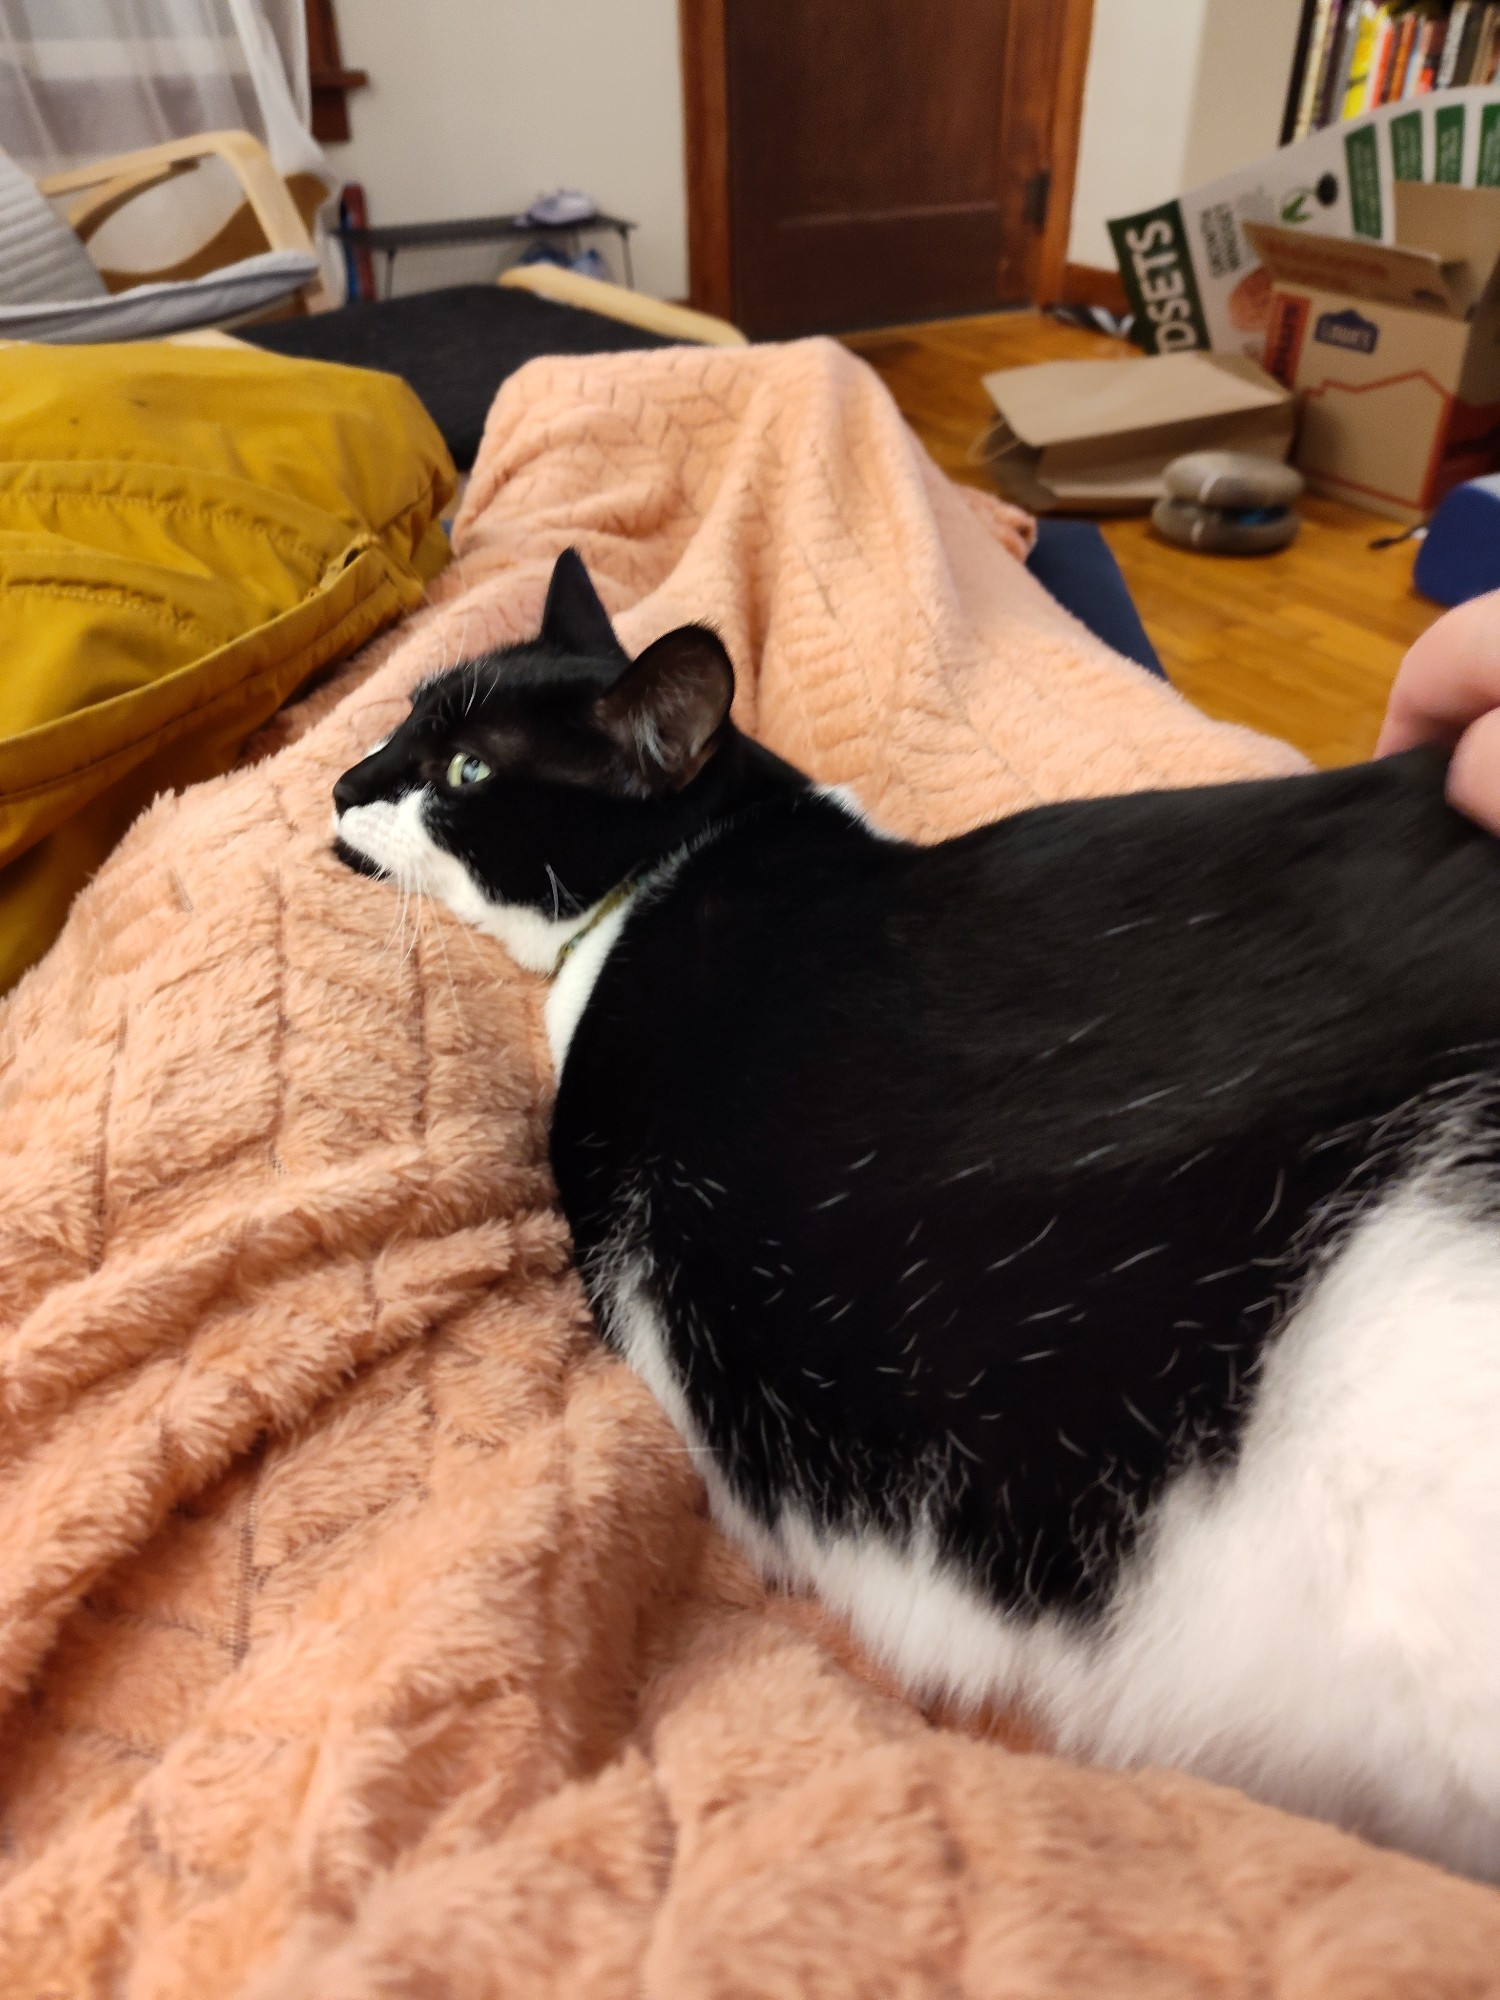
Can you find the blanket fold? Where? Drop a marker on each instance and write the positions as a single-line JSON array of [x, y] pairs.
[[362, 1629]]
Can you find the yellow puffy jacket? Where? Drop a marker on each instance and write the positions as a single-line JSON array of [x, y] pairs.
[[187, 536]]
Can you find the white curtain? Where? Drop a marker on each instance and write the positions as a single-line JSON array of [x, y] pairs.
[[82, 79]]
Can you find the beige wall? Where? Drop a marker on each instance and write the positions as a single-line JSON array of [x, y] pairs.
[[1178, 92], [475, 106], [1239, 94]]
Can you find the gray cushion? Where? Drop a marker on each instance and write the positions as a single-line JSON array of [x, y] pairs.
[[148, 311], [40, 257], [1232, 479], [1220, 531]]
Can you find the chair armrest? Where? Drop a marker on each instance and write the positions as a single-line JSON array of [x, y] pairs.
[[107, 185], [573, 288], [91, 211]]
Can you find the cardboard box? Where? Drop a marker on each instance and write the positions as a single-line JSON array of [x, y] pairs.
[[1393, 349], [1096, 435], [1190, 272], [1190, 266]]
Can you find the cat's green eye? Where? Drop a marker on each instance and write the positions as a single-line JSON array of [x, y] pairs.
[[467, 770]]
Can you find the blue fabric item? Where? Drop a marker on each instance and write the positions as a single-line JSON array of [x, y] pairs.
[[1072, 560], [1460, 556]]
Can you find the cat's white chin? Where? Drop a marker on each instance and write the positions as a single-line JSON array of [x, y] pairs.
[[393, 834]]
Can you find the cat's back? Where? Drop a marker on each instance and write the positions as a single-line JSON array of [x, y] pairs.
[[1204, 955]]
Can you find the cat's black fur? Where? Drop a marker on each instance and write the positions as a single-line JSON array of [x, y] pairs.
[[970, 1180]]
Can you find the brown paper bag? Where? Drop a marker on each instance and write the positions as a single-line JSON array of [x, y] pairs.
[[1095, 436]]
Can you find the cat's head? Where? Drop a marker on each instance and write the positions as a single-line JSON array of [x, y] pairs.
[[527, 785]]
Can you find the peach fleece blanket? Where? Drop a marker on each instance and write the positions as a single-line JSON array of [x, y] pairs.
[[361, 1629]]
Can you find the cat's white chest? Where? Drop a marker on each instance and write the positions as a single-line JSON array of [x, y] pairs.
[[570, 990]]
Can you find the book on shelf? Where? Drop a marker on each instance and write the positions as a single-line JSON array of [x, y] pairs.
[[1353, 56], [1340, 52], [1361, 59], [1403, 40], [1429, 53], [1381, 59], [1487, 50], [1458, 21], [1307, 70], [1463, 68], [1339, 55]]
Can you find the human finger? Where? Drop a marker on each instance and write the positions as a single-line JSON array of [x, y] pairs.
[[1450, 677]]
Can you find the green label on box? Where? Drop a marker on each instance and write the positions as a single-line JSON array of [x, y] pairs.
[[1488, 175], [1448, 143], [1406, 146], [1157, 267], [1364, 181]]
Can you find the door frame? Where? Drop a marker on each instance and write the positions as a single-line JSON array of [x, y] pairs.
[[1067, 130], [705, 122], [705, 103]]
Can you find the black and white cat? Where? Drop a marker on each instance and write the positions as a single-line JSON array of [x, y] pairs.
[[1073, 1250]]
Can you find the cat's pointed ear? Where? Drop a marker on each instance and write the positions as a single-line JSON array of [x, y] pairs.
[[668, 709], [574, 620]]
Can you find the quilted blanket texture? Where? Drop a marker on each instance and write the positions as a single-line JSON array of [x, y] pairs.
[[362, 1631]]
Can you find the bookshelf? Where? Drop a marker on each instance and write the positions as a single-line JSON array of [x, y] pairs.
[[1353, 55]]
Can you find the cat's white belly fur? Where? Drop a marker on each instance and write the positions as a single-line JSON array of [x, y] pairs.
[[1319, 1625]]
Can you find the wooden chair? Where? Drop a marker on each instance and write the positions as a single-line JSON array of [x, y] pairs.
[[262, 258], [279, 211]]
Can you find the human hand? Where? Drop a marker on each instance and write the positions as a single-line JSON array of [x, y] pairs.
[[1448, 691]]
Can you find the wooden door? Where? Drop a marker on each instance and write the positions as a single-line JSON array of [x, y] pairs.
[[858, 162]]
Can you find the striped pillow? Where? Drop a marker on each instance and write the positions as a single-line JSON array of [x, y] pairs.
[[40, 257]]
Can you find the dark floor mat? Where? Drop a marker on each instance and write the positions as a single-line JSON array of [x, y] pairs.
[[455, 347]]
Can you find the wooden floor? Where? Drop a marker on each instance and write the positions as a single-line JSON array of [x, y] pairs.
[[1303, 644]]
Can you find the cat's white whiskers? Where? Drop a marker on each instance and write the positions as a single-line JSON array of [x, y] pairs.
[[397, 939], [464, 653], [408, 938], [395, 931], [471, 938], [428, 906]]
